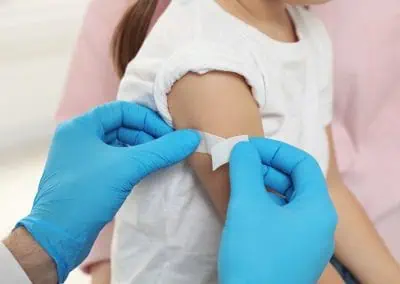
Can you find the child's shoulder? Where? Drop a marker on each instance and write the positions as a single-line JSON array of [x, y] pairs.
[[310, 22], [305, 14]]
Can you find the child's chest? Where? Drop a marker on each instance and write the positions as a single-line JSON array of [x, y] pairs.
[[292, 91], [292, 112]]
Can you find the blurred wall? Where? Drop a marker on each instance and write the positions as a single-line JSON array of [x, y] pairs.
[[36, 40]]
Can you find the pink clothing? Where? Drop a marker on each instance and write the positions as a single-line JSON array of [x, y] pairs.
[[365, 35], [366, 40], [388, 227], [92, 80]]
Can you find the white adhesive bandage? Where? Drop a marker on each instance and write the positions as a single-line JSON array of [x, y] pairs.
[[218, 148]]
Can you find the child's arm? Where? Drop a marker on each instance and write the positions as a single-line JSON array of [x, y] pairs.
[[358, 245], [221, 104], [101, 272], [217, 103]]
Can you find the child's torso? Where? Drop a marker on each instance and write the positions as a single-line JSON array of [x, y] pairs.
[[167, 229]]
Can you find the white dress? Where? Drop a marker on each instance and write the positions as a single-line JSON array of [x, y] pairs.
[[167, 232]]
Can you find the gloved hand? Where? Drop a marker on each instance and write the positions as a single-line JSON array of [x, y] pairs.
[[263, 242], [86, 180]]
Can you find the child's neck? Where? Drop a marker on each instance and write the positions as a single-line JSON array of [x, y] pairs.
[[269, 16], [264, 10]]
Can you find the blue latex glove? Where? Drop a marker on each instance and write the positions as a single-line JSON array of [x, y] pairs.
[[263, 242], [86, 180]]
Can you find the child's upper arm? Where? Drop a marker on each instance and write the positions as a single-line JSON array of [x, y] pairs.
[[219, 103]]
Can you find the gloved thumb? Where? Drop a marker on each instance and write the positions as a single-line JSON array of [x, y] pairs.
[[162, 152], [246, 174]]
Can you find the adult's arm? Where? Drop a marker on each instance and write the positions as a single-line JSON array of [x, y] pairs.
[[23, 260]]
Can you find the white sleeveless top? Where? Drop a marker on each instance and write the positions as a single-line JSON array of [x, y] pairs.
[[167, 232]]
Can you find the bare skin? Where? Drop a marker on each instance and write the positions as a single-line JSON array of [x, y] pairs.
[[356, 238], [201, 108], [38, 266], [358, 245], [222, 104], [101, 272]]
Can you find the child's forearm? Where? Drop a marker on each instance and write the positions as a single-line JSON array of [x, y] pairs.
[[358, 245], [330, 276]]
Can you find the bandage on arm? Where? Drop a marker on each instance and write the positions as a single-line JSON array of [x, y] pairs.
[[219, 103], [218, 148]]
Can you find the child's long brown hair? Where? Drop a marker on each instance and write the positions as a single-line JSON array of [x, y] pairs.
[[131, 32]]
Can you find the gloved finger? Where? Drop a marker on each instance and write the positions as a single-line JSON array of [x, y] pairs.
[[309, 183], [279, 155], [303, 169], [128, 137], [133, 137], [311, 192], [276, 180], [141, 118], [162, 152], [276, 197], [278, 185], [111, 138], [246, 174], [119, 114]]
